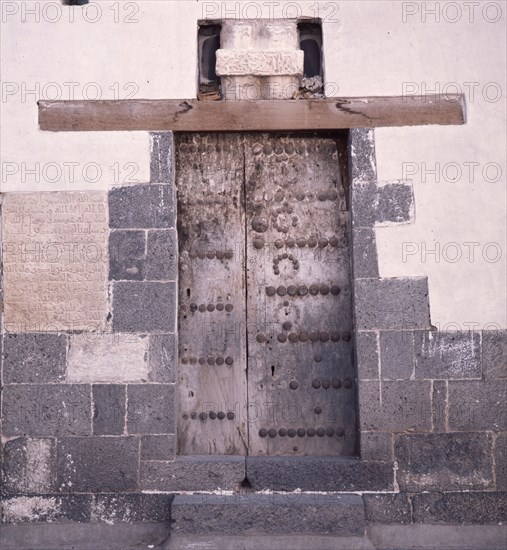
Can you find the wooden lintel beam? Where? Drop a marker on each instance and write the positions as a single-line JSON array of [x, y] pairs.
[[239, 116]]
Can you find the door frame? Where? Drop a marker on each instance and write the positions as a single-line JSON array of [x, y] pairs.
[[316, 473]]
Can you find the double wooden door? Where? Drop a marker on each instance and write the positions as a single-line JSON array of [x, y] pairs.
[[266, 363]]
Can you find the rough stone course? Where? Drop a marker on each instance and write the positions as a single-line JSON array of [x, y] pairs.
[[46, 509], [113, 358], [29, 466], [494, 353], [161, 158], [98, 464], [318, 474], [143, 307], [276, 514], [501, 461], [397, 355], [127, 252], [365, 253], [158, 447], [478, 405], [392, 304], [460, 508], [193, 473], [141, 207], [444, 461], [108, 409], [377, 446], [150, 409], [367, 355], [363, 161], [447, 354], [34, 358], [52, 410], [162, 358], [387, 508], [395, 406]]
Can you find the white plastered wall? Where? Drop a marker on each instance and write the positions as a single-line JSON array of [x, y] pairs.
[[148, 48]]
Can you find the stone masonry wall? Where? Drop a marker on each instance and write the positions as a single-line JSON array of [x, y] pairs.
[[88, 416]]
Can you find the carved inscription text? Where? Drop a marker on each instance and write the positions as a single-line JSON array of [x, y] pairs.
[[55, 261]]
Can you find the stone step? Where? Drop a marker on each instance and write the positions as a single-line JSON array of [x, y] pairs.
[[268, 514]]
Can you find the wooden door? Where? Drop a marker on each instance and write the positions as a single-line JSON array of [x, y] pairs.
[[275, 207]]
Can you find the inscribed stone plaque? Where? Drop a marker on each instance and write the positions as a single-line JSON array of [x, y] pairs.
[[55, 261]]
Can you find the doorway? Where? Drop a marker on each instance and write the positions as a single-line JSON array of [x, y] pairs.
[[266, 362]]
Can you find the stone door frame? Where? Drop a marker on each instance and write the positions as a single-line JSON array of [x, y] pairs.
[[371, 203]]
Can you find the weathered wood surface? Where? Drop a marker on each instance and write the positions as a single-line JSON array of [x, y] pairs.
[[212, 336], [263, 230], [238, 116], [301, 378]]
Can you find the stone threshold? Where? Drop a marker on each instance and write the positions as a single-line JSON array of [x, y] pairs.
[[131, 536], [230, 473]]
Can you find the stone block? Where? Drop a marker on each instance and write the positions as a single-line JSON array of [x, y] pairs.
[[131, 508], [161, 157], [395, 203], [392, 304], [253, 514], [447, 354], [363, 161], [62, 254], [53, 410], [142, 207], [193, 473], [460, 508], [387, 508], [365, 253], [151, 409], [478, 405], [377, 446], [34, 358], [364, 197], [444, 462], [494, 353], [395, 406], [318, 474], [108, 409], [127, 254], [439, 406], [29, 465], [501, 462], [397, 355], [158, 447], [367, 355], [143, 307], [163, 358], [381, 203], [98, 464], [108, 358], [46, 509], [162, 255]]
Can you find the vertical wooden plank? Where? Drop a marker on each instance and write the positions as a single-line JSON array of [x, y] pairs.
[[212, 343], [301, 377]]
